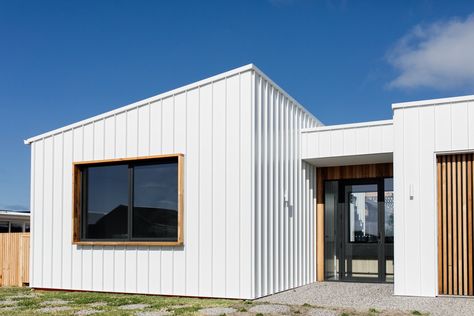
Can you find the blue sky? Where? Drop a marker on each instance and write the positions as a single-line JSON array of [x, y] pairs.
[[346, 61]]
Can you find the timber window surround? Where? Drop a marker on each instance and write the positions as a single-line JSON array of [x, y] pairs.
[[133, 201]]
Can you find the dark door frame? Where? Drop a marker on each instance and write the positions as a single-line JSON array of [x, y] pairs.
[[339, 173], [343, 228]]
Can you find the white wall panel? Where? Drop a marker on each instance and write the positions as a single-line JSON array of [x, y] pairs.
[[57, 216], [48, 195], [37, 226], [348, 140], [421, 132], [284, 252], [398, 196], [411, 182], [211, 124], [427, 200], [66, 264]]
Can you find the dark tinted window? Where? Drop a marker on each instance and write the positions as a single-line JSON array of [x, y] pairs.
[[155, 201], [4, 227], [106, 203], [16, 227], [131, 201]]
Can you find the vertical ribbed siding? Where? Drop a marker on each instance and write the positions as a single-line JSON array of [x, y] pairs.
[[421, 133], [284, 232], [211, 124]]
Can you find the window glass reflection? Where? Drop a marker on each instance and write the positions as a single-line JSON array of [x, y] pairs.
[[107, 202], [388, 200], [155, 201], [363, 213]]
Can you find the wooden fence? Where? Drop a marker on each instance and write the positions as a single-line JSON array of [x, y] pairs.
[[14, 259]]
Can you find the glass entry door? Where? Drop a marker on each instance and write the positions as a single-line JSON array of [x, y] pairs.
[[359, 230]]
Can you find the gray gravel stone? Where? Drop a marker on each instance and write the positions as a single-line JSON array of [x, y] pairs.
[[134, 306], [270, 309], [154, 313], [364, 296], [215, 311], [8, 302], [53, 309], [321, 312], [7, 308], [86, 312]]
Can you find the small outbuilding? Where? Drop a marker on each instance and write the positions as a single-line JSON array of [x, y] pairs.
[[228, 187]]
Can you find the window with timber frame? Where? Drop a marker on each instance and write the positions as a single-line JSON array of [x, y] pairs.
[[133, 201]]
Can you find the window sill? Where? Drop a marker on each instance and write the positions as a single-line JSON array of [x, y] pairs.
[[128, 243]]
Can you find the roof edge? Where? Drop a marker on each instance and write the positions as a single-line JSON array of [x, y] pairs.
[[347, 126], [439, 101], [267, 78], [139, 103]]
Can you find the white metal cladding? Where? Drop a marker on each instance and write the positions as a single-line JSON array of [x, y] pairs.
[[348, 140], [284, 231], [423, 129], [210, 122]]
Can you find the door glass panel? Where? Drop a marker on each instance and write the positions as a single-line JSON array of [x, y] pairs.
[[331, 238], [363, 214], [361, 244], [388, 206]]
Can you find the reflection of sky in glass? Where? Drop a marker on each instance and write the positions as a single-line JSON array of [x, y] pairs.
[[156, 186], [107, 189]]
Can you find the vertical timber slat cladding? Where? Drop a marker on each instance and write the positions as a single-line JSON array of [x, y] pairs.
[[339, 173], [455, 224]]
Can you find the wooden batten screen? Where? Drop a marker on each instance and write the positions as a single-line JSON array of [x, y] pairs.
[[455, 224]]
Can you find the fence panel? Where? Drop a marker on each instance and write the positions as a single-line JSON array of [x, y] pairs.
[[14, 259]]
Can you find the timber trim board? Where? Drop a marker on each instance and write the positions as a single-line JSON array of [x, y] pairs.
[[76, 203], [340, 173]]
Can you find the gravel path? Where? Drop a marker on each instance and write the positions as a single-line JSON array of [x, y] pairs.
[[362, 296], [215, 311]]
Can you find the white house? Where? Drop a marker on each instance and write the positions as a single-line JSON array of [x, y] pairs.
[[228, 187]]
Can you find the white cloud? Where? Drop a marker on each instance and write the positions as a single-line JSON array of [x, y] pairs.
[[439, 55]]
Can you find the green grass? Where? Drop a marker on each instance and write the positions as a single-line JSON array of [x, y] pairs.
[[33, 299], [30, 301]]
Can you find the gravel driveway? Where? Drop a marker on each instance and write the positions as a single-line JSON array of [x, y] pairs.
[[363, 296]]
